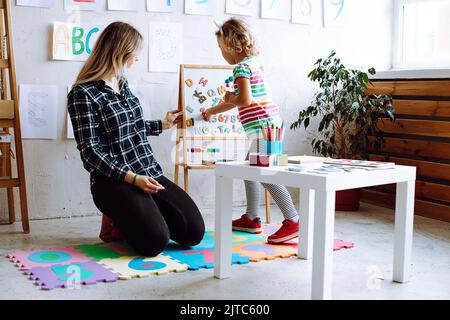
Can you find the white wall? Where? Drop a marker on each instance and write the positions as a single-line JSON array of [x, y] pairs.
[[57, 184]]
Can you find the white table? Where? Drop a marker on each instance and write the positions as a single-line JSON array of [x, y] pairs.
[[317, 211]]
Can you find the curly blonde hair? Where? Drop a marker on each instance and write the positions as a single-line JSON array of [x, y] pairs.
[[237, 36]]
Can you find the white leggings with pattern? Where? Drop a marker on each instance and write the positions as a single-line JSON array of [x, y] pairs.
[[279, 193]]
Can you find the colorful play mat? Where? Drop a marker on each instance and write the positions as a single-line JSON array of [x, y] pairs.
[[108, 262]]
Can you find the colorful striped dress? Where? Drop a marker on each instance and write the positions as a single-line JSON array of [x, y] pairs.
[[262, 109]]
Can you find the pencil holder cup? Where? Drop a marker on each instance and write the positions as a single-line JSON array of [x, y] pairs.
[[274, 147]]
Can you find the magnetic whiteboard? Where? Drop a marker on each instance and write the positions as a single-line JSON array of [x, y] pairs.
[[202, 87]]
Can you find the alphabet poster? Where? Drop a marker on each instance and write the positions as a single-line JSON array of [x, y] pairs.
[[275, 9], [83, 5], [161, 5], [73, 42], [200, 7], [38, 115], [334, 13], [165, 46], [242, 7], [305, 11], [37, 3]]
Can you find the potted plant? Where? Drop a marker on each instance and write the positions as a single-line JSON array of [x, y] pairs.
[[348, 117]]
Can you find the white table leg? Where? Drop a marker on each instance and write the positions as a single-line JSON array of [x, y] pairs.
[[404, 217], [323, 244], [222, 221], [306, 213]]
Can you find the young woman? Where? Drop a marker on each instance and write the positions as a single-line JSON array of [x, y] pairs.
[[127, 183]]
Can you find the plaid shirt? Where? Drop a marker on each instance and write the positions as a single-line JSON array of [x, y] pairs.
[[110, 131]]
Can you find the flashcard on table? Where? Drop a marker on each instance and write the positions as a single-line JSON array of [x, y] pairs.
[[200, 257], [140, 267], [26, 260], [100, 251], [71, 276]]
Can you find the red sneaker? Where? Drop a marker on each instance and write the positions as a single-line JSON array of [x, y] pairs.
[[288, 231], [246, 225]]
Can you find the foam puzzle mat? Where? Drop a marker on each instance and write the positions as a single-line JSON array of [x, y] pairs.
[[88, 264]]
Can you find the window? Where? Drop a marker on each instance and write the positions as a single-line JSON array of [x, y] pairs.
[[422, 34]]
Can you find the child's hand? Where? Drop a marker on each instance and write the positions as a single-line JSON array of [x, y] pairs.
[[207, 114]]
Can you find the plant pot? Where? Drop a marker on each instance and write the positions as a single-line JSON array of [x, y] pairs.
[[348, 200]]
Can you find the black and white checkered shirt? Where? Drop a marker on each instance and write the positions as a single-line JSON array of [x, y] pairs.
[[110, 131]]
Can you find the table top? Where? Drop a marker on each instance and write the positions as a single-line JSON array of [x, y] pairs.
[[313, 180]]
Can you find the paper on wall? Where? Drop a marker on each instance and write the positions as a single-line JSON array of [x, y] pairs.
[[124, 5], [161, 5], [242, 7], [165, 47], [275, 9], [38, 115], [83, 5], [200, 7], [37, 3]]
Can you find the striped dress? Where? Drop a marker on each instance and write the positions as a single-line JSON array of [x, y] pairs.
[[262, 109]]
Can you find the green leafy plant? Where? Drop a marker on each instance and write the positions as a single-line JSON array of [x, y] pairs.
[[348, 125]]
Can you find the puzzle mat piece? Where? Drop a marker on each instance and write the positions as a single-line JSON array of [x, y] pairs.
[[113, 250], [140, 267], [198, 258], [337, 245], [26, 260], [71, 276], [258, 251]]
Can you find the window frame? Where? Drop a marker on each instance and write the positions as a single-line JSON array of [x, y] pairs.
[[397, 59]]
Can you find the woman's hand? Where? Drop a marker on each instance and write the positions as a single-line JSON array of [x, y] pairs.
[[172, 118], [148, 184]]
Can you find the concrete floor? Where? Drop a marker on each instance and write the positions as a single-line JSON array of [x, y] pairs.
[[355, 276]]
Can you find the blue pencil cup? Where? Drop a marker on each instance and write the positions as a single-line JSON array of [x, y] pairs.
[[274, 147]]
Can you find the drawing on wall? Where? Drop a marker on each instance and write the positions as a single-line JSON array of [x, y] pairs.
[[37, 3], [124, 5], [333, 13], [165, 46], [305, 11], [242, 7], [275, 9], [83, 5], [161, 5], [200, 7], [72, 41], [38, 114], [144, 93]]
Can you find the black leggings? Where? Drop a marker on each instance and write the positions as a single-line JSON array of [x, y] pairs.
[[147, 222]]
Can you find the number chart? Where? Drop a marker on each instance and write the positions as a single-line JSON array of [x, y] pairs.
[[201, 143]]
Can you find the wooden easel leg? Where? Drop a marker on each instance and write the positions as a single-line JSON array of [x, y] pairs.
[[22, 186], [12, 213], [177, 173], [186, 180], [267, 196], [10, 191]]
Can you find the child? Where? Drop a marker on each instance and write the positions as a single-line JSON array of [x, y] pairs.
[[253, 98]]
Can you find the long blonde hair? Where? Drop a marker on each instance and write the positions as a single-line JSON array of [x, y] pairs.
[[114, 47]]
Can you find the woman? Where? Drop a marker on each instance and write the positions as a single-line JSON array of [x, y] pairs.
[[127, 183]]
